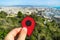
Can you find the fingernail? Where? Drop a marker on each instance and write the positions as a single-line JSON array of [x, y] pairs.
[[25, 29]]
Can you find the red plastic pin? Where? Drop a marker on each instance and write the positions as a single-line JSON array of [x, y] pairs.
[[29, 23]]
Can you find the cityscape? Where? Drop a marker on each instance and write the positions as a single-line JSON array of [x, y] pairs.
[[46, 12]]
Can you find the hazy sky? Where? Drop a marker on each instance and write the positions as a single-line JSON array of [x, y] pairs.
[[31, 2]]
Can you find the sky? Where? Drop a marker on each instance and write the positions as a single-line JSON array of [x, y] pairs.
[[31, 2]]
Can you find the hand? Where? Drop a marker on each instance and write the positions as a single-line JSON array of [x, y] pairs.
[[22, 34]]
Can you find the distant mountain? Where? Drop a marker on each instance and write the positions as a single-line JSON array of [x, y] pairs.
[[24, 6], [16, 6], [29, 6]]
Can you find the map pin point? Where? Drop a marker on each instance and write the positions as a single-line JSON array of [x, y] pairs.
[[29, 23]]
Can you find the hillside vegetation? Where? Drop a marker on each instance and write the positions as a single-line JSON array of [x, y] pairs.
[[47, 31]]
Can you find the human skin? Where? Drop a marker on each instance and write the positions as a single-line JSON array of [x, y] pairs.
[[12, 34]]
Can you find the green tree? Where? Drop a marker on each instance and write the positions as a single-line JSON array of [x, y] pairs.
[[3, 14], [19, 14]]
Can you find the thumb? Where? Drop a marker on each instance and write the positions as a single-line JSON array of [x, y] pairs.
[[22, 34]]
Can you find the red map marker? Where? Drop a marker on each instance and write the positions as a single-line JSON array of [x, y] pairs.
[[29, 23]]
